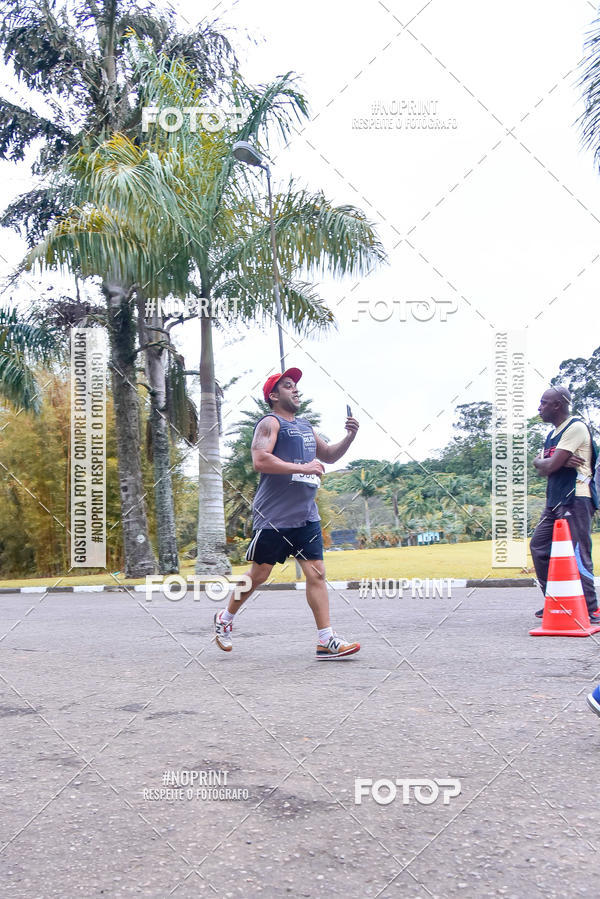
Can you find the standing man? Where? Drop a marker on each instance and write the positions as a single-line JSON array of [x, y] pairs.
[[286, 451], [569, 462]]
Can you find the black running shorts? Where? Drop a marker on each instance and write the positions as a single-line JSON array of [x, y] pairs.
[[269, 545]]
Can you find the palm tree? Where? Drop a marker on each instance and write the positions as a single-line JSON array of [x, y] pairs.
[[228, 249], [366, 485], [169, 405], [22, 344], [310, 234], [417, 504], [175, 216], [433, 521], [394, 473], [77, 58], [75, 55]]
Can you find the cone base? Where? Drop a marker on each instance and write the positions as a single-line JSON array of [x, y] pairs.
[[580, 632]]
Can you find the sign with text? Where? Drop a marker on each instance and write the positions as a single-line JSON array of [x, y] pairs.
[[509, 452], [88, 448]]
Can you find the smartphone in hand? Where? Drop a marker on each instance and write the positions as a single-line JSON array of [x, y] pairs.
[[348, 412]]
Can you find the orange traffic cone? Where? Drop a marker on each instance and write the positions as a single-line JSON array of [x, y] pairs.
[[565, 609]]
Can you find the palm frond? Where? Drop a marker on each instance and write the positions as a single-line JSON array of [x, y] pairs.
[[311, 234], [254, 300], [279, 103], [139, 184], [17, 382], [22, 343], [589, 83], [92, 241], [20, 126]]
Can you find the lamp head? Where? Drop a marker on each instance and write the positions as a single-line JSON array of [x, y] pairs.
[[245, 152]]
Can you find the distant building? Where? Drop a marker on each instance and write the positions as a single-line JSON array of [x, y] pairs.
[[343, 535], [429, 537]]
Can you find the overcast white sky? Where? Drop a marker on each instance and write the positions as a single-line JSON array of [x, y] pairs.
[[500, 214]]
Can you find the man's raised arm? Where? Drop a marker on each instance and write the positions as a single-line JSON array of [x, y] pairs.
[[331, 452]]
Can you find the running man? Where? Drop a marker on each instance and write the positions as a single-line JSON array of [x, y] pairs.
[[288, 454]]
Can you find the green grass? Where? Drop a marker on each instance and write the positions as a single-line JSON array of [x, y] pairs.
[[459, 560]]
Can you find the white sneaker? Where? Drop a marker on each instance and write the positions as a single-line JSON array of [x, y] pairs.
[[336, 648], [223, 633]]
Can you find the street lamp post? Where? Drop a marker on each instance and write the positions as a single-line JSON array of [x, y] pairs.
[[245, 152]]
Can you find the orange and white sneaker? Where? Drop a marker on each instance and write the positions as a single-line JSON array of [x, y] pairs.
[[223, 633], [336, 648]]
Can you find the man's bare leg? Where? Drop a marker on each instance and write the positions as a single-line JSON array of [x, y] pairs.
[[330, 646], [258, 574], [316, 590]]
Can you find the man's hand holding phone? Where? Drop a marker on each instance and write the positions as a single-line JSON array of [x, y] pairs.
[[351, 423]]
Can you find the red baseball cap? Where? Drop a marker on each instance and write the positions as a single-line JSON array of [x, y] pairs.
[[294, 373]]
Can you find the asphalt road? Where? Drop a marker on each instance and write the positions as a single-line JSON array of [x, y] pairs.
[[104, 695]]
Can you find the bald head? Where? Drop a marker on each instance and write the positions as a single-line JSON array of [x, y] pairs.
[[554, 405]]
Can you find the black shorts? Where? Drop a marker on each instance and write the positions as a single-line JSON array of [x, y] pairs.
[[269, 545]]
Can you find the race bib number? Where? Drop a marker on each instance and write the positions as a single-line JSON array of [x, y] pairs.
[[312, 480]]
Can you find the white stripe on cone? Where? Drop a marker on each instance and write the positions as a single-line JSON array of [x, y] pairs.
[[562, 548], [563, 588]]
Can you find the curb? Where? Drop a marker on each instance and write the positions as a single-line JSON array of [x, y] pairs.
[[395, 583], [504, 582]]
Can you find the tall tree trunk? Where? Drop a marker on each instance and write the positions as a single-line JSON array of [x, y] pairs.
[[212, 558], [367, 518], [139, 558], [156, 357], [396, 514]]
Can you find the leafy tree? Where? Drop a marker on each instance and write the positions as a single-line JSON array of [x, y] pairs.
[[474, 421], [23, 343], [35, 487], [371, 465], [470, 451], [582, 377]]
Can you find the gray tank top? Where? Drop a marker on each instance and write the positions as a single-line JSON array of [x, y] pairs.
[[283, 500]]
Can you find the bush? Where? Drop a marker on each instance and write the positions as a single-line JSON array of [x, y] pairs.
[[189, 551], [384, 538], [236, 549]]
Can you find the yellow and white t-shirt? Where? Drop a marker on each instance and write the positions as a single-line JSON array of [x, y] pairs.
[[576, 439]]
